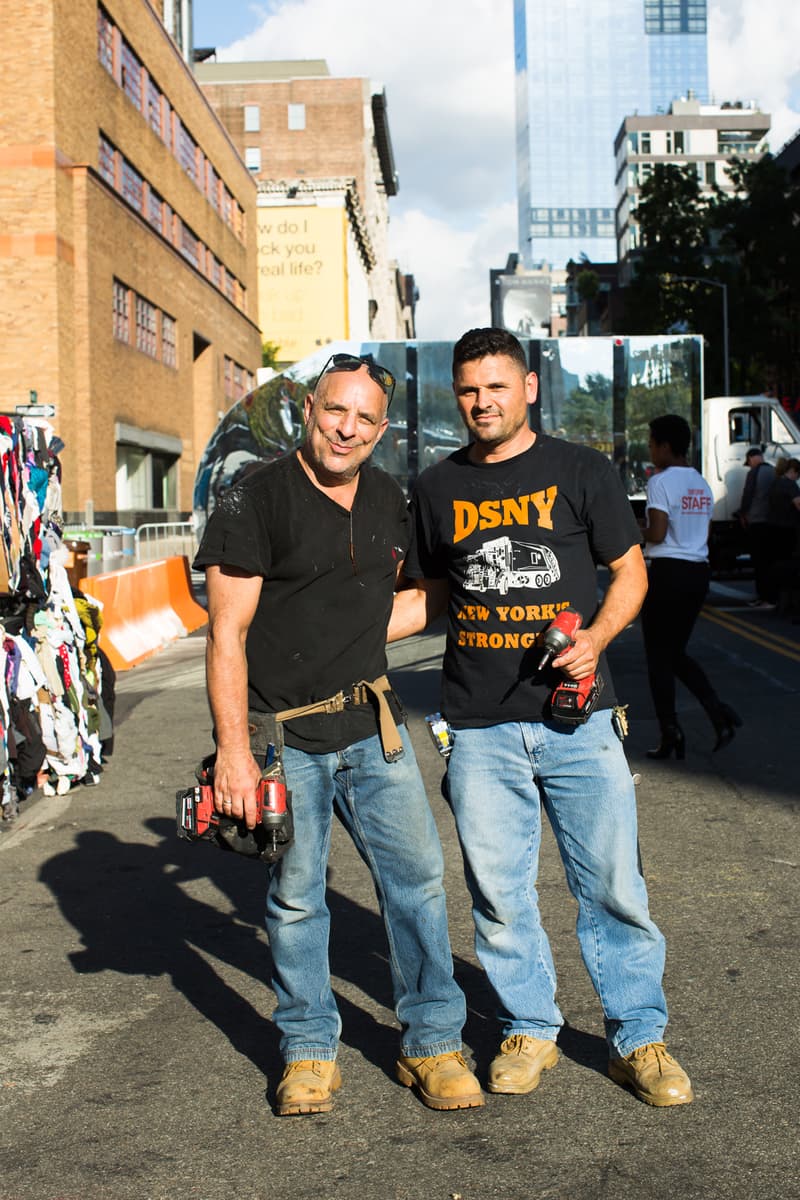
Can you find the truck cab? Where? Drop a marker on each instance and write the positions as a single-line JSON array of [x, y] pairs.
[[731, 425]]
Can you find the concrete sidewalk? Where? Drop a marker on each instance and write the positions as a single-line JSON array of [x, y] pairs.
[[139, 1062]]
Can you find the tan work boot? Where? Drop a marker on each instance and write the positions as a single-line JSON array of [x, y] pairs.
[[653, 1075], [307, 1086], [444, 1081], [517, 1069]]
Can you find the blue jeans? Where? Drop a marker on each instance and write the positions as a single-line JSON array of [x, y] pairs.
[[385, 810], [498, 779]]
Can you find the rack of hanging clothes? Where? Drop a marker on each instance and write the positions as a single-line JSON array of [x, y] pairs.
[[56, 721]]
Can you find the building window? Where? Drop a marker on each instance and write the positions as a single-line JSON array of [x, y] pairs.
[[146, 327], [145, 478], [132, 185], [297, 116], [252, 118], [711, 173], [155, 210], [105, 40], [633, 143], [679, 143], [644, 139], [154, 113], [190, 245], [252, 158], [131, 76], [106, 160], [169, 341], [122, 308], [187, 151], [212, 186]]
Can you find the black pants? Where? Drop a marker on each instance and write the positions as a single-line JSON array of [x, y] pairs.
[[674, 598]]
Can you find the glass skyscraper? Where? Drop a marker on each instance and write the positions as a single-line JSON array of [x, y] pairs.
[[581, 67]]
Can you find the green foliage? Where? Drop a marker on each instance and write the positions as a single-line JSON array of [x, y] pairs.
[[588, 284], [748, 240], [270, 354]]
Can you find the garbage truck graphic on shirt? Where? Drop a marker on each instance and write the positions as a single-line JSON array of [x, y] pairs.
[[518, 541]]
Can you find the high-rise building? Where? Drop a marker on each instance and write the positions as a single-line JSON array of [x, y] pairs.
[[581, 67]]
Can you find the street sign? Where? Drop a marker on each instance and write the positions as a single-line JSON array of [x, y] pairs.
[[35, 410]]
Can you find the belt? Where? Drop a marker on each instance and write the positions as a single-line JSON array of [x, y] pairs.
[[363, 692]]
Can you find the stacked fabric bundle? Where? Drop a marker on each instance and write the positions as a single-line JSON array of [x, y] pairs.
[[54, 724]]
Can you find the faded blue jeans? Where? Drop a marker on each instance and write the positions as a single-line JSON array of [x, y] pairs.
[[498, 779], [385, 809]]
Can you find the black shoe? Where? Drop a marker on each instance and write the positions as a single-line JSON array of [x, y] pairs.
[[725, 722], [672, 739]]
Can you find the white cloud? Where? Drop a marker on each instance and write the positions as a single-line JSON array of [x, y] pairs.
[[448, 69], [752, 52], [454, 283]]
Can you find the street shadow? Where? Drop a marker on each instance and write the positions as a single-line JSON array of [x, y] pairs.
[[133, 907], [586, 1049]]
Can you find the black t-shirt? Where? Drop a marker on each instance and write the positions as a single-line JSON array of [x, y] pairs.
[[329, 578], [782, 511], [518, 541]]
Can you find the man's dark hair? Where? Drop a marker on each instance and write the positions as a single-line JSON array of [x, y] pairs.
[[480, 343], [673, 430]]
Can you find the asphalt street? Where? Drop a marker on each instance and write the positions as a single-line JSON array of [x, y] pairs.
[[138, 1059]]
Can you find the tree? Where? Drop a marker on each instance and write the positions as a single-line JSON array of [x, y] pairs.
[[270, 354], [672, 216], [757, 236]]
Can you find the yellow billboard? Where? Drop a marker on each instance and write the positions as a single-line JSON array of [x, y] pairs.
[[302, 278]]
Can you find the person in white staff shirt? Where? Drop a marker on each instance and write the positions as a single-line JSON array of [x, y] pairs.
[[679, 503]]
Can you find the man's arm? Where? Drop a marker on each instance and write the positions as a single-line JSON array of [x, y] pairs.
[[232, 601], [621, 603], [417, 602]]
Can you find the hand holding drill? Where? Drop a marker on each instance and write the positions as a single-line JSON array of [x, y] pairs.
[[571, 650]]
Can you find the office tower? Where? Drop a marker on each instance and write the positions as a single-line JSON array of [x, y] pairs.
[[582, 66]]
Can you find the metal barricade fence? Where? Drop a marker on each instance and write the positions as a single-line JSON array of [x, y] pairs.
[[112, 547], [165, 540]]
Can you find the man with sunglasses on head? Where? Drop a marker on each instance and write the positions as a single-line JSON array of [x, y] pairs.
[[508, 532], [301, 560]]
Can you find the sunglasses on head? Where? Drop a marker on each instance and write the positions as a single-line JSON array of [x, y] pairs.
[[352, 362]]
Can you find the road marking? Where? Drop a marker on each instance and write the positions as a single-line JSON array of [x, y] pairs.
[[770, 641]]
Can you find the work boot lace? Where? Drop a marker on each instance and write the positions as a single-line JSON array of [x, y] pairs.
[[656, 1051], [438, 1058], [516, 1044]]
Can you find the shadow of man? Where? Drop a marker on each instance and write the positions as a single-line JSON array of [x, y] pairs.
[[128, 902]]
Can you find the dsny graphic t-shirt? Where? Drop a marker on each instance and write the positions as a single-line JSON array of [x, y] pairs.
[[518, 541]]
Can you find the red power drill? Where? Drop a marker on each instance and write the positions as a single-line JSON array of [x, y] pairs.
[[197, 819], [572, 700]]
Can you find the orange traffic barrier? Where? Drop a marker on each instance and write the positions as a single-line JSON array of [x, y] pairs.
[[144, 608]]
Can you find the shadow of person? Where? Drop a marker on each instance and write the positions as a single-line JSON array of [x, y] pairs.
[[586, 1049], [128, 902]]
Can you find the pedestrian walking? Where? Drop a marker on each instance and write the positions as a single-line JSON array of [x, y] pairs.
[[679, 504]]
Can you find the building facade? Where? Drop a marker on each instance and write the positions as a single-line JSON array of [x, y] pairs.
[[703, 136], [320, 150], [127, 252], [580, 68]]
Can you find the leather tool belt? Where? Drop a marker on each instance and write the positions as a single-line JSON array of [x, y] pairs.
[[376, 691]]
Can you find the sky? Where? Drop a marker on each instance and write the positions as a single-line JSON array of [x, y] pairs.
[[448, 70]]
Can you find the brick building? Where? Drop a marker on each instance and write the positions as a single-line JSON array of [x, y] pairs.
[[321, 152], [127, 252]]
